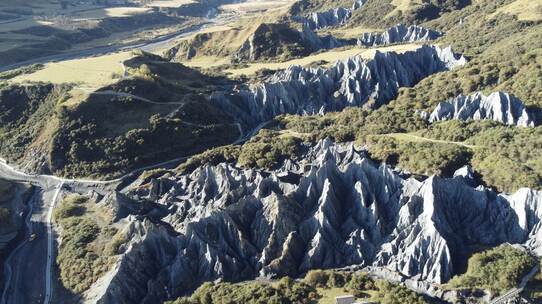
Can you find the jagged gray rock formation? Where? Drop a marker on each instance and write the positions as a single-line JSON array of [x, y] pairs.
[[332, 17], [332, 209], [498, 106], [350, 82], [399, 34]]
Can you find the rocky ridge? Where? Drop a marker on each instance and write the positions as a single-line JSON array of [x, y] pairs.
[[399, 34], [350, 82], [257, 47], [498, 106], [329, 18], [332, 209]]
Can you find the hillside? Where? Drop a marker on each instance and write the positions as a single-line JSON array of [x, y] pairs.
[[157, 109], [388, 149]]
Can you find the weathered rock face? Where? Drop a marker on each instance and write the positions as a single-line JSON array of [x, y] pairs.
[[498, 106], [272, 40], [399, 34], [332, 17], [333, 209], [351, 82]]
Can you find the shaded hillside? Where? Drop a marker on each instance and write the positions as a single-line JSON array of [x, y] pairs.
[[143, 119], [386, 13], [263, 41], [51, 40]]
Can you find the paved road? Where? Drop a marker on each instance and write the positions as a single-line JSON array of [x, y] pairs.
[[23, 265], [28, 271], [514, 292]]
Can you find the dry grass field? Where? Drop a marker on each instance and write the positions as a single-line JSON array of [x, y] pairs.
[[89, 72], [402, 6], [525, 10], [169, 3], [257, 5], [101, 13]]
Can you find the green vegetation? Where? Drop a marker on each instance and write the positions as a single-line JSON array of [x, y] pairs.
[[402, 140], [502, 150], [266, 150], [212, 157], [88, 242], [420, 157], [317, 286], [384, 13], [497, 270], [286, 291], [388, 293], [533, 290], [174, 119]]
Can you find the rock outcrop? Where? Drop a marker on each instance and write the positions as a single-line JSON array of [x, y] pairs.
[[272, 40], [399, 34], [500, 107], [350, 82], [331, 17], [332, 209]]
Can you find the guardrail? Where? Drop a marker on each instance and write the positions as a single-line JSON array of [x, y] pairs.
[[512, 293]]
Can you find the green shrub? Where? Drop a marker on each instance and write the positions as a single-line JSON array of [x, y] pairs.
[[359, 284], [388, 293], [251, 292], [268, 149], [498, 269]]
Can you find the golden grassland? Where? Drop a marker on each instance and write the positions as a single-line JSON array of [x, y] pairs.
[[402, 6], [92, 71], [169, 3], [525, 10], [257, 5], [101, 13]]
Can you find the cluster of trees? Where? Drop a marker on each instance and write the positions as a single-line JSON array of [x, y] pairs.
[[499, 150], [105, 143], [80, 259], [305, 291], [383, 13], [497, 270], [267, 150], [286, 291], [425, 158]]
